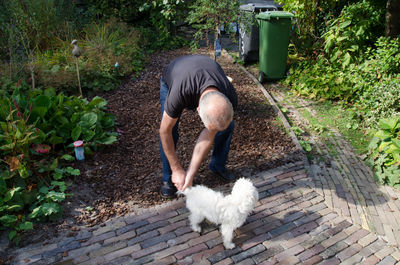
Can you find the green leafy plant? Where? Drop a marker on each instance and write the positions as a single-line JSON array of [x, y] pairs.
[[348, 36], [305, 145], [207, 16], [297, 130], [66, 119], [103, 45], [311, 17], [38, 127], [385, 152]]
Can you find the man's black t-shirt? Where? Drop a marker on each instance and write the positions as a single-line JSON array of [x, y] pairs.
[[187, 77]]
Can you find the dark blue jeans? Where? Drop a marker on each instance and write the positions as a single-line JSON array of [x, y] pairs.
[[220, 151]]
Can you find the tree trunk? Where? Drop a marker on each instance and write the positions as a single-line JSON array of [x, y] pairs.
[[392, 18]]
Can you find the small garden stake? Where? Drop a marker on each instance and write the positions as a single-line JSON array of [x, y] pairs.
[[76, 52]]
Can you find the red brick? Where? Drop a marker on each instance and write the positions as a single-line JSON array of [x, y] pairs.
[[356, 236], [99, 238], [340, 227], [204, 238], [311, 261], [284, 206], [166, 261], [182, 239], [226, 261], [289, 261], [295, 241], [301, 176], [172, 227], [250, 226], [371, 260], [190, 251], [267, 205], [149, 250], [348, 252], [332, 261], [289, 252], [326, 218], [122, 252], [183, 230], [254, 241], [304, 228], [287, 175], [333, 240], [247, 261], [304, 205], [170, 251], [272, 198], [207, 253], [311, 252], [271, 261]]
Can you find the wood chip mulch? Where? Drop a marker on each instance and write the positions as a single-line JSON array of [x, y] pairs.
[[126, 176]]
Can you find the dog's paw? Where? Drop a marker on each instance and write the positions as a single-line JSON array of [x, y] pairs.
[[196, 228], [229, 245]]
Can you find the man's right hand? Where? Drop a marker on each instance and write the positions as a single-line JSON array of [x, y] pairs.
[[178, 178]]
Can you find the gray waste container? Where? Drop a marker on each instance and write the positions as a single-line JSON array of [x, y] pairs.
[[249, 31]]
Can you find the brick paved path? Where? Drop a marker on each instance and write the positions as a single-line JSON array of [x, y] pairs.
[[291, 224], [348, 186], [318, 213]]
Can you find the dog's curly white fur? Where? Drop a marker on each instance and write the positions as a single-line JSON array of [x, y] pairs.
[[229, 211]]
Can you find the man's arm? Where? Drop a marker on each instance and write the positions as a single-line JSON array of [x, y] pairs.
[[201, 149], [178, 174]]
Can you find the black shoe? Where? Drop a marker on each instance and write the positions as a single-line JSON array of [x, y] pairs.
[[168, 190], [225, 175]]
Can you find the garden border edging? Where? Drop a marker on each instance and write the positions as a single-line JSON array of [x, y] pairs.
[[276, 108]]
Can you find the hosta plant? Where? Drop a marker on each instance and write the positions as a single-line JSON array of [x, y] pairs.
[[385, 152]]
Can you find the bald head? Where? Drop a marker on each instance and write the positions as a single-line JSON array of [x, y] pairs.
[[215, 110]]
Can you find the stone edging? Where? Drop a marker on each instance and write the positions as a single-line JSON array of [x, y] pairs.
[[276, 108]]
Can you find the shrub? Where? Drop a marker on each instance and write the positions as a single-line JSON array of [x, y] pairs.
[[103, 45], [348, 36], [385, 152], [37, 129]]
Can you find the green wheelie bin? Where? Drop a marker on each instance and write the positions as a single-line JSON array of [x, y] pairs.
[[275, 27]]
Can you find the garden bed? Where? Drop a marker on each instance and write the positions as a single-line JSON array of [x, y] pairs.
[[126, 176]]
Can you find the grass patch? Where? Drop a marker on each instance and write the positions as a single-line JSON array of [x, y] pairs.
[[279, 123], [335, 116]]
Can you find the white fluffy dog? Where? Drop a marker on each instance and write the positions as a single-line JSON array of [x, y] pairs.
[[230, 211]]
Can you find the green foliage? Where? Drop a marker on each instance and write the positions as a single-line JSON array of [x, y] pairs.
[[385, 152], [348, 36], [103, 45], [29, 26], [165, 40], [124, 10], [36, 128], [207, 16], [164, 15], [64, 119], [305, 145], [319, 79], [372, 85], [381, 100], [311, 16]]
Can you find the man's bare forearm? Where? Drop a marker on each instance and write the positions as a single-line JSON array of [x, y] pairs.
[[201, 149], [169, 150]]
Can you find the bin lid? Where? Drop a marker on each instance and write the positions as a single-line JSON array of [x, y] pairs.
[[258, 7], [274, 14]]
